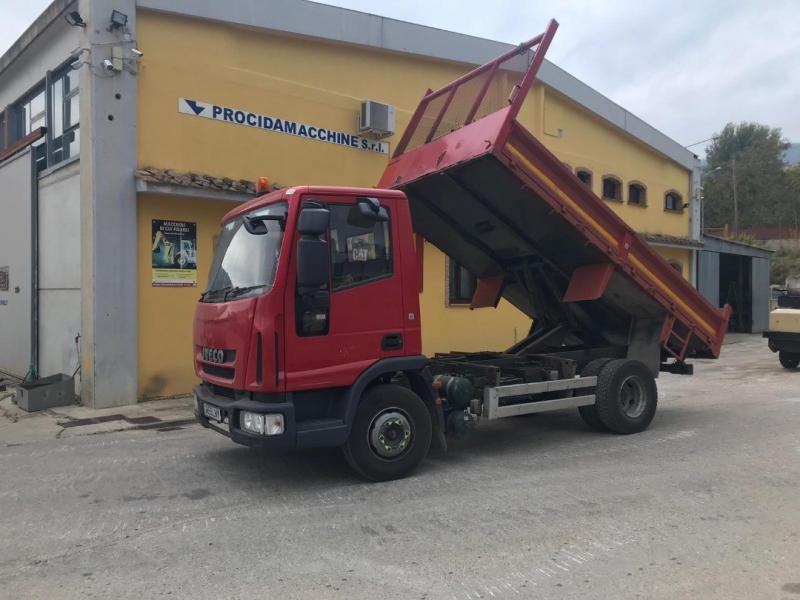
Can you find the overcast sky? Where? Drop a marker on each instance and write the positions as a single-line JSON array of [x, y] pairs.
[[685, 66]]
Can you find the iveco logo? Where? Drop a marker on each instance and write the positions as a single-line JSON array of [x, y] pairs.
[[215, 355]]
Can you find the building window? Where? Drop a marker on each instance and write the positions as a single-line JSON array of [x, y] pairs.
[[637, 194], [673, 202], [31, 116], [585, 176], [66, 116], [461, 284], [2, 130], [612, 188], [32, 112], [676, 265], [359, 254]]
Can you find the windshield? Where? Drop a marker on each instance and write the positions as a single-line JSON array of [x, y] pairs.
[[245, 263]]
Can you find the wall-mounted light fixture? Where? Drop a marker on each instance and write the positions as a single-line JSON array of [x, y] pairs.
[[118, 20], [74, 18]]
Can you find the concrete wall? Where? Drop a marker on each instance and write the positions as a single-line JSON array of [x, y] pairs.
[[59, 269], [108, 210], [15, 253]]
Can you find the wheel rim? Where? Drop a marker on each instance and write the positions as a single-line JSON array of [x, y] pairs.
[[390, 433], [632, 397]]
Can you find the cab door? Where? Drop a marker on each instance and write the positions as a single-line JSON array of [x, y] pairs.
[[335, 333]]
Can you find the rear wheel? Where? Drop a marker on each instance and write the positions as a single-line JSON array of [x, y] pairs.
[[391, 433], [626, 396], [789, 360], [589, 413]]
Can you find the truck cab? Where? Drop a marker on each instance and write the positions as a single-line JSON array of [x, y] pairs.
[[312, 296]]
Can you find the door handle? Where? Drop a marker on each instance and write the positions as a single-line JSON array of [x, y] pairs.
[[392, 341]]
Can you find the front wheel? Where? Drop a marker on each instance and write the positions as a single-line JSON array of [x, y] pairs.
[[391, 433], [789, 360], [626, 396]]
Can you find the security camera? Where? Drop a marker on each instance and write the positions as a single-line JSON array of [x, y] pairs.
[[108, 65], [137, 53]]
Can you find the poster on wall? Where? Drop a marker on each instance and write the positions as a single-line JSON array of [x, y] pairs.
[[174, 250]]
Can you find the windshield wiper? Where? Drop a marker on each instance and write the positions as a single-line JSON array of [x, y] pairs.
[[238, 291]]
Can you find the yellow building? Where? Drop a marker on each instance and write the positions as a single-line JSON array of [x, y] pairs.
[[165, 156]]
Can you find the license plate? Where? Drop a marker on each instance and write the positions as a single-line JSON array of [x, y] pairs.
[[212, 412]]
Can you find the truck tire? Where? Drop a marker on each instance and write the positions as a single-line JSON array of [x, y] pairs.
[[626, 396], [589, 413], [789, 360], [391, 433]]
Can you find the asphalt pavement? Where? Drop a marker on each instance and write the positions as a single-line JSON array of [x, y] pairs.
[[705, 504]]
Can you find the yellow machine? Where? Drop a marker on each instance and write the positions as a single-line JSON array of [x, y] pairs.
[[784, 326]]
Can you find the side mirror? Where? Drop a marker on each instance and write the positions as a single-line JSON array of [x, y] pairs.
[[366, 213], [313, 258], [257, 224], [313, 221]]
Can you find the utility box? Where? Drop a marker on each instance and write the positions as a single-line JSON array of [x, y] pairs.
[[56, 390]]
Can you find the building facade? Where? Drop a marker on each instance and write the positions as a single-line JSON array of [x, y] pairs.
[[131, 127]]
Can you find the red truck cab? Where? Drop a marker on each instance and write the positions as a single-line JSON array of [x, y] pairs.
[[312, 295]]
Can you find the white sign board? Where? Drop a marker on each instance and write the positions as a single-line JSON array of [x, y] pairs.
[[246, 118]]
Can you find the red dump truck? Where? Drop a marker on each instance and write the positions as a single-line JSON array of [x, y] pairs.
[[308, 334]]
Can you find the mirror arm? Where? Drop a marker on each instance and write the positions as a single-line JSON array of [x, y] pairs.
[[249, 222]]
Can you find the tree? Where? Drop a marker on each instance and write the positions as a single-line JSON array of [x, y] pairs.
[[745, 171]]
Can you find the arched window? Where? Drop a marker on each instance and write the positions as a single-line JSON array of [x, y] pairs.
[[637, 194], [585, 175], [676, 265], [673, 201], [612, 188]]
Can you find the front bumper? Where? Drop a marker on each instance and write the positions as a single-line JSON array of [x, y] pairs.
[[783, 340], [229, 411]]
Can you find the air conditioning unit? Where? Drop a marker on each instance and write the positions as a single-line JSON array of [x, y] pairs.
[[376, 118]]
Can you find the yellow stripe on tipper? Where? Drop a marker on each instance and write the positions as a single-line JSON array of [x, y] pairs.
[[602, 231], [560, 193], [671, 294]]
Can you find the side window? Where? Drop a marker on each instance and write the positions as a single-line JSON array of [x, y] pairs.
[[461, 284], [359, 254]]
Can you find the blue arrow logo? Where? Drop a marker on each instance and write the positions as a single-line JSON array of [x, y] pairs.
[[193, 105]]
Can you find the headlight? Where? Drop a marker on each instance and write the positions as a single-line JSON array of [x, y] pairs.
[[261, 424], [252, 422]]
